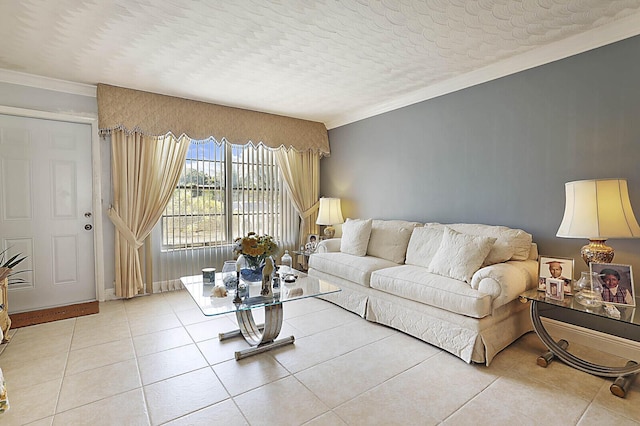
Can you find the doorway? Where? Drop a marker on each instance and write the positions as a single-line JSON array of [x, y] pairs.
[[47, 208]]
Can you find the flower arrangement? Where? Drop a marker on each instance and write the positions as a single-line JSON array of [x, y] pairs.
[[255, 248]]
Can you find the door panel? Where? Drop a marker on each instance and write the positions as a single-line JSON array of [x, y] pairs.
[[46, 185]]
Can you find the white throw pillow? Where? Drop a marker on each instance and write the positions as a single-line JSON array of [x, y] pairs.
[[389, 239], [513, 244], [424, 244], [460, 255], [355, 236]]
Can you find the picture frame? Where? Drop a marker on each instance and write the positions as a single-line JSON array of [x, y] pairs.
[[311, 244], [554, 288], [556, 267], [618, 277]]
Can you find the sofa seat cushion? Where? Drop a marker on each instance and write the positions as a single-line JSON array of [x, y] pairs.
[[356, 269], [417, 284]]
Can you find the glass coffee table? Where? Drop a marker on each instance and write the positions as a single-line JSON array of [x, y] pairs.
[[625, 324], [262, 337]]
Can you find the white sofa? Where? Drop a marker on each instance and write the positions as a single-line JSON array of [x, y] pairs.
[[454, 286]]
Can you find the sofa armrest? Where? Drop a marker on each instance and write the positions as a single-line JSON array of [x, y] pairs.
[[505, 281], [328, 246]]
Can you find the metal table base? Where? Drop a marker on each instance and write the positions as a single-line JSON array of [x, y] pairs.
[[624, 375], [262, 337]]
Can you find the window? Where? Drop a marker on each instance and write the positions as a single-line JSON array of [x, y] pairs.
[[206, 211]]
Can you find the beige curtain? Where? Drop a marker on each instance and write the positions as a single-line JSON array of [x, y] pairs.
[[145, 171], [301, 171]]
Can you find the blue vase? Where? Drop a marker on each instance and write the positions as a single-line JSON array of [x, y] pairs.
[[252, 274]]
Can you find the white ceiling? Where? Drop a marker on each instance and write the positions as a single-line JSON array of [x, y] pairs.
[[333, 61]]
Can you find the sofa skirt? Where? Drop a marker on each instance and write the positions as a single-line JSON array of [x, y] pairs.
[[353, 297], [471, 339]]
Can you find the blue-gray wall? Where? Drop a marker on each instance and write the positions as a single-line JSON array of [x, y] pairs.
[[500, 152]]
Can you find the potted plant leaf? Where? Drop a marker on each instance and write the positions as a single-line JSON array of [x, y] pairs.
[[6, 271], [6, 266]]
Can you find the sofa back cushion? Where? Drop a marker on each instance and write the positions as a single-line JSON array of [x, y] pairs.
[[511, 244], [355, 236], [389, 239]]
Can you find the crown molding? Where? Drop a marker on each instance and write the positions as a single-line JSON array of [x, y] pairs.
[[574, 45], [47, 83]]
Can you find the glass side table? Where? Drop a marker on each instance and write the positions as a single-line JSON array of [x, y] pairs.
[[570, 311], [304, 266]]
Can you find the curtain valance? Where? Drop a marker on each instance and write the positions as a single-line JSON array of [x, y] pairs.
[[156, 115]]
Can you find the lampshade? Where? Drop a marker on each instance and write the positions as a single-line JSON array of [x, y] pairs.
[[598, 209], [330, 212]]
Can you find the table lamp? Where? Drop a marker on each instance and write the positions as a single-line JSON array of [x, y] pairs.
[[598, 209], [329, 214]]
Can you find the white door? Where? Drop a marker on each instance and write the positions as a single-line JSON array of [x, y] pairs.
[[46, 211]]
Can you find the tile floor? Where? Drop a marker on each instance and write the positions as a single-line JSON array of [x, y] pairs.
[[157, 360]]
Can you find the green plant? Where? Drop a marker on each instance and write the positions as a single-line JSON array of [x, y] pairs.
[[14, 261], [6, 266]]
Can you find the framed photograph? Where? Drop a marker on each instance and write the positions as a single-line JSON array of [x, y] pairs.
[[554, 288], [312, 243], [559, 268], [617, 281]]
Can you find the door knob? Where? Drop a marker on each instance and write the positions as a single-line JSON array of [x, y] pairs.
[[88, 227]]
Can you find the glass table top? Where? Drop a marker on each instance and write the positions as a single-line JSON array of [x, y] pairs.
[[627, 313], [303, 287]]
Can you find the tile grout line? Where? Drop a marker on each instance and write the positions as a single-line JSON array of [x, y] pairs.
[[64, 371], [135, 355]]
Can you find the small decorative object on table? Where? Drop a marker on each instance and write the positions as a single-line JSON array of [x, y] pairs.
[[208, 275], [267, 271], [219, 290], [612, 311], [554, 289], [242, 292], [229, 277], [254, 250], [589, 290], [286, 263]]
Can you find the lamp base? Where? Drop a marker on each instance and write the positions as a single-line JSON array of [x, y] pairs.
[[597, 252], [329, 232]]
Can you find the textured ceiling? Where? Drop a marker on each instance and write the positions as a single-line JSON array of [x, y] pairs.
[[333, 61]]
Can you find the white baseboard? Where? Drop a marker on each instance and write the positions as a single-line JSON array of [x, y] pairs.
[[593, 339], [158, 287], [170, 285], [110, 294]]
